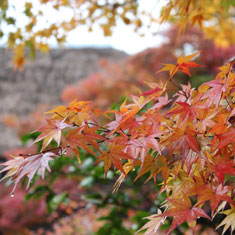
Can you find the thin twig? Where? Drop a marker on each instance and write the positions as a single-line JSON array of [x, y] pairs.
[[44, 151], [184, 93]]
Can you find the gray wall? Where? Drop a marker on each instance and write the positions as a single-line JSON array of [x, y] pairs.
[[42, 81]]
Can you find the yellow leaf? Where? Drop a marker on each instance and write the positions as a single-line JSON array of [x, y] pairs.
[[168, 67], [229, 220], [182, 59]]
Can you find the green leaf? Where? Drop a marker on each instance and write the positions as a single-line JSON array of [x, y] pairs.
[[87, 182], [10, 20], [38, 192], [229, 179], [30, 136], [53, 202], [227, 4]]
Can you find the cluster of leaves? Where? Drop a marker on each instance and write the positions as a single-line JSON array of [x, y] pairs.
[[122, 78], [214, 18], [71, 191], [186, 144]]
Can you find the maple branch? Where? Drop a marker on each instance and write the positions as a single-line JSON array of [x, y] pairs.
[[59, 115], [44, 151], [104, 129], [107, 130], [73, 123], [115, 5], [230, 70], [228, 102], [180, 88]]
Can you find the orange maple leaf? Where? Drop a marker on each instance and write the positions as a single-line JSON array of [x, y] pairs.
[[182, 64], [114, 156], [84, 137], [52, 130], [155, 166]]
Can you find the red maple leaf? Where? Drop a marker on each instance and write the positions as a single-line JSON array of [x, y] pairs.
[[181, 210], [213, 194]]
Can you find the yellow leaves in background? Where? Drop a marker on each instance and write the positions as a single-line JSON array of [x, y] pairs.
[[214, 17], [19, 57]]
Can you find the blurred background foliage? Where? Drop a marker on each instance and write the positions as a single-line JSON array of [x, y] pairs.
[[38, 28]]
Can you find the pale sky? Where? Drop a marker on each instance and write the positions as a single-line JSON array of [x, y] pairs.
[[123, 38]]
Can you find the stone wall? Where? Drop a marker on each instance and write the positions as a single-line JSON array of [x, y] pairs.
[[42, 81]]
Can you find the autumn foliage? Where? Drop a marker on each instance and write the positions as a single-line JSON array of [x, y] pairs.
[[185, 143]]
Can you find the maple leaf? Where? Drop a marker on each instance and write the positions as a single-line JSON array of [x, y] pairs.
[[185, 112], [20, 167], [199, 19], [224, 70], [155, 91], [84, 137], [145, 137], [162, 101], [140, 102], [227, 138], [204, 118], [114, 156], [185, 95], [220, 126], [213, 194], [127, 167], [181, 184], [151, 91], [126, 117], [51, 131], [229, 220], [214, 95], [155, 166], [181, 210], [191, 142], [222, 166], [19, 56], [183, 141], [165, 13], [169, 67], [154, 224], [182, 64], [11, 165], [77, 112], [74, 105]]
